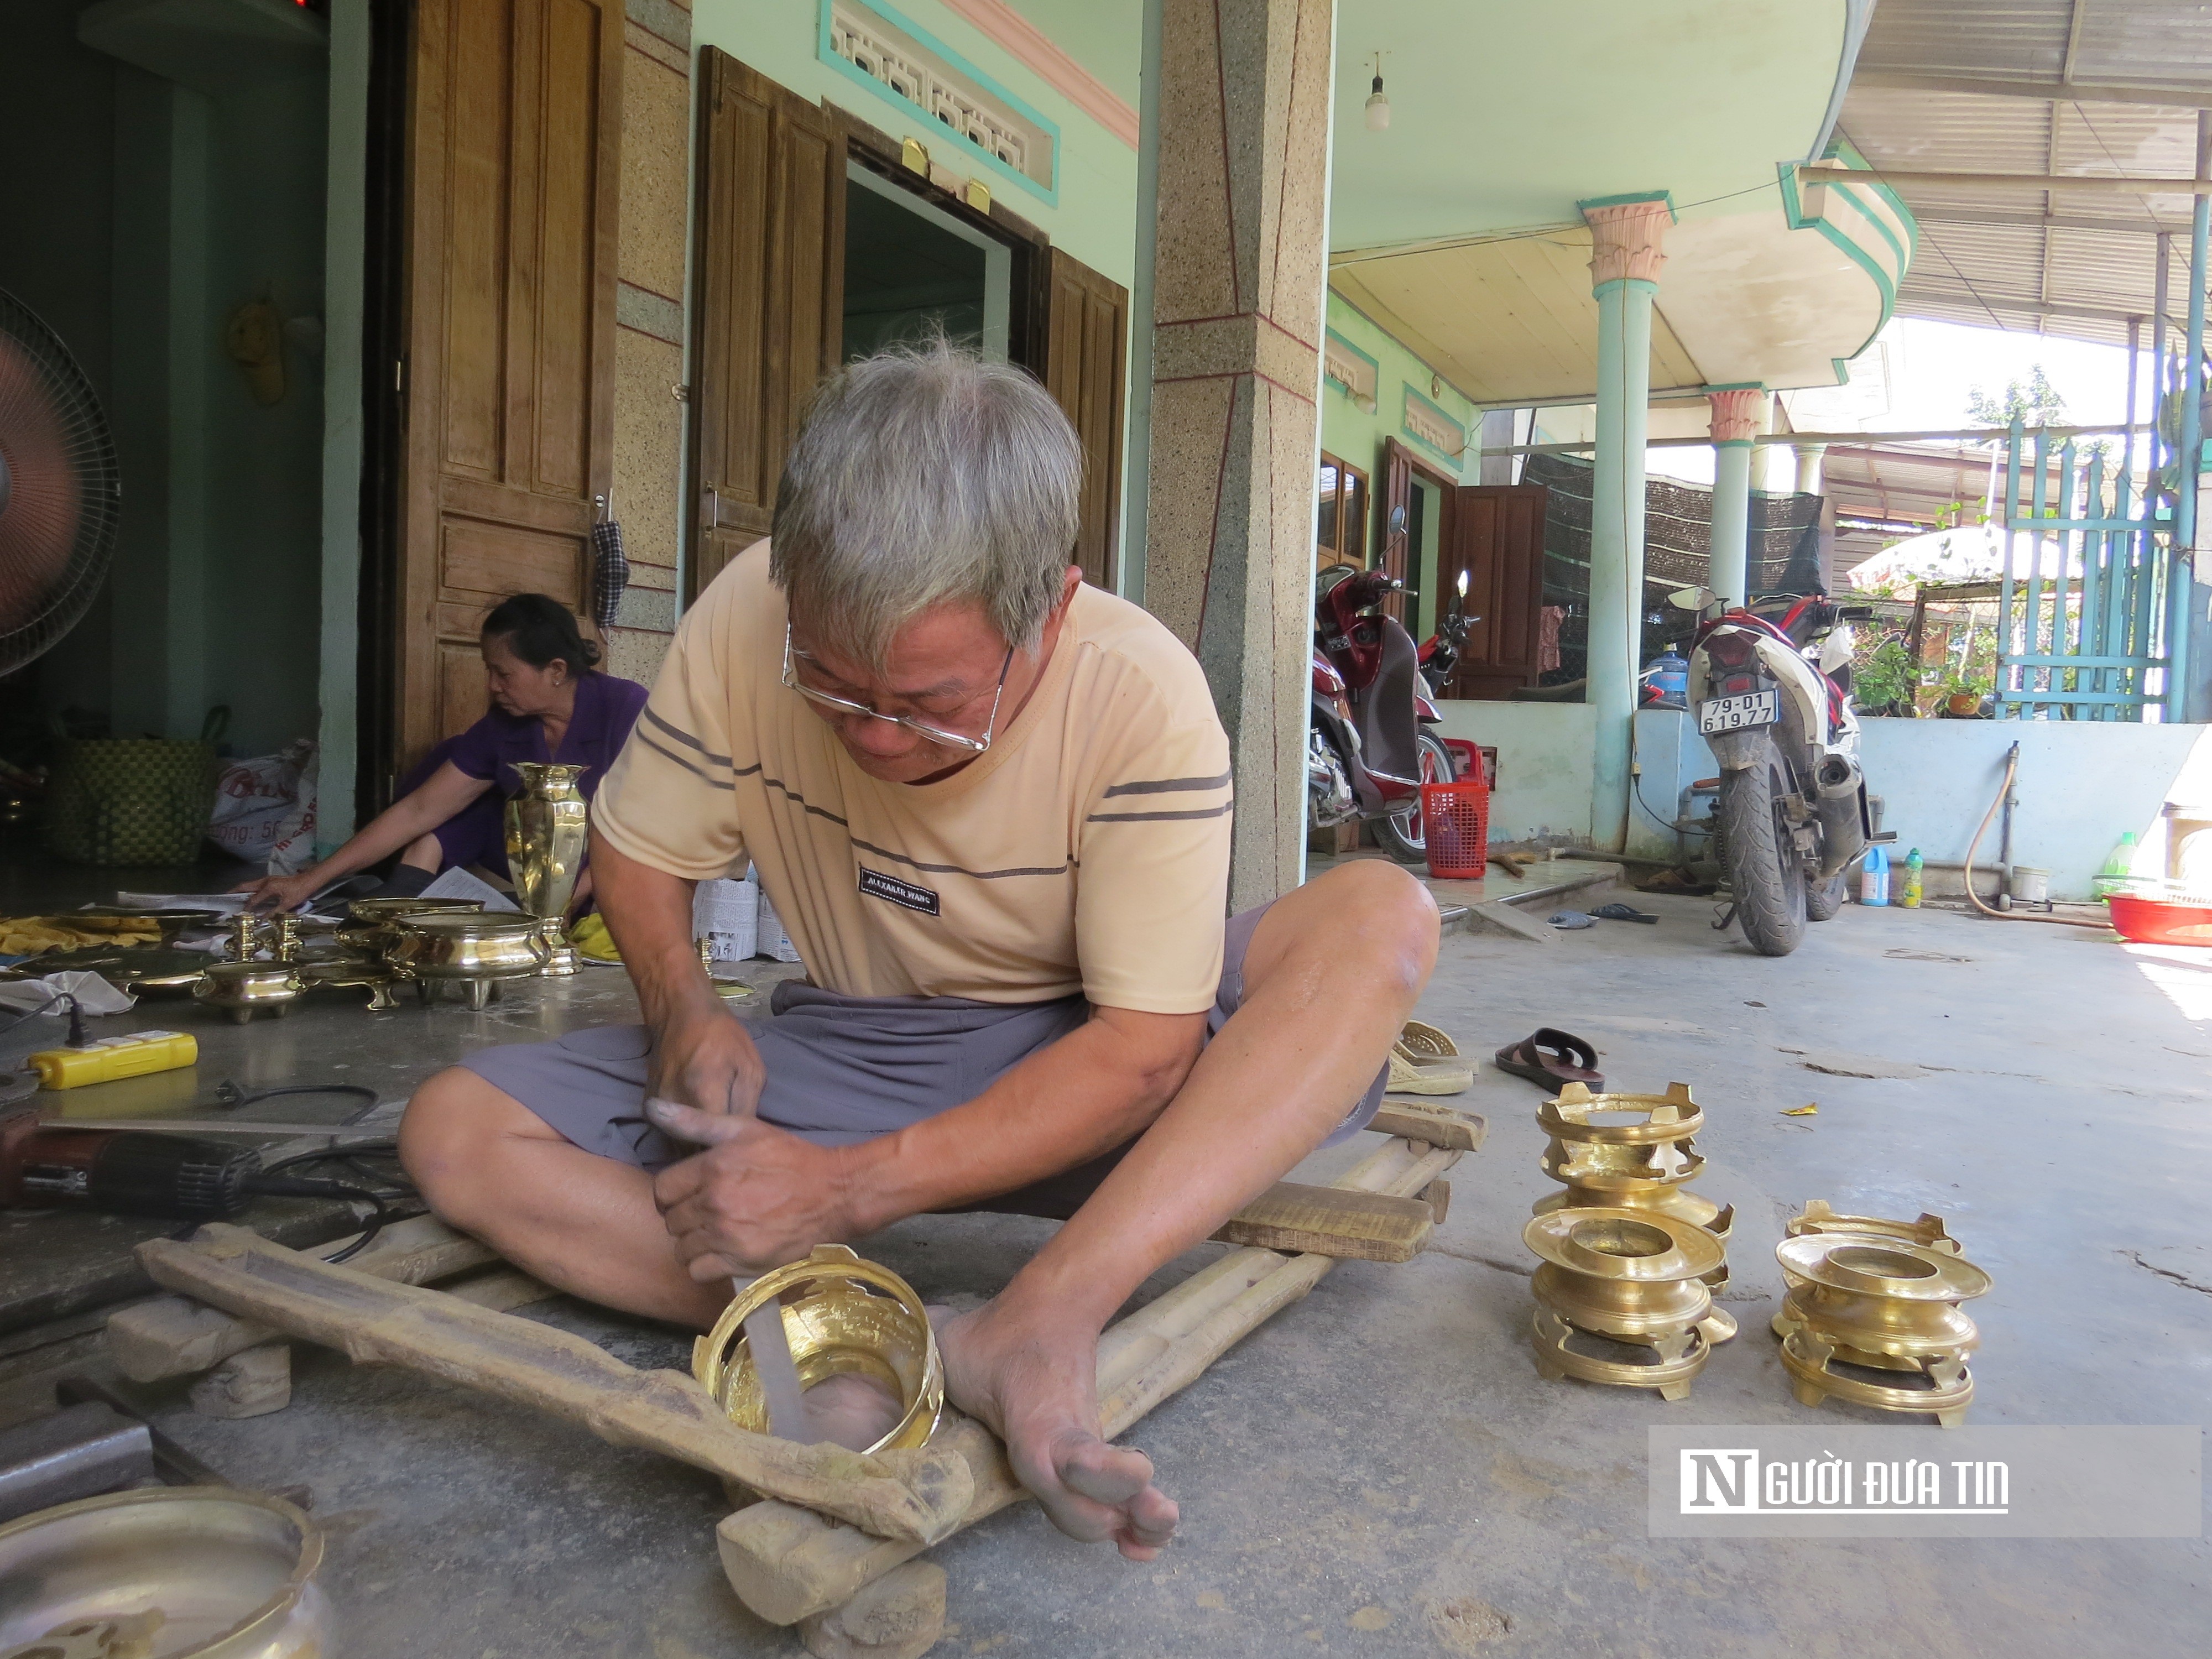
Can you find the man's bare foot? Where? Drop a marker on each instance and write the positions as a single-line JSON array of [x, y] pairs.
[[852, 1411], [1036, 1385]]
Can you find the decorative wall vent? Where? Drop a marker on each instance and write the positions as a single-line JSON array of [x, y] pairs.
[[1426, 422], [938, 85], [1350, 368]]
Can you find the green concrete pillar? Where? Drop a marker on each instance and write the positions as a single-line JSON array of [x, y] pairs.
[[1625, 259], [1738, 412]]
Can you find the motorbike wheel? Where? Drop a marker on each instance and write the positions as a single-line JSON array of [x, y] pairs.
[[1824, 898], [1401, 832], [1768, 882]]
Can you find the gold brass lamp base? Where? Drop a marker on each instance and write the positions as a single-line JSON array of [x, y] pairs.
[[1882, 1301], [842, 1315], [1633, 1277], [1633, 1152], [560, 957]]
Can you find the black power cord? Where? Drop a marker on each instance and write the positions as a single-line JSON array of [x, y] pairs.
[[382, 1190]]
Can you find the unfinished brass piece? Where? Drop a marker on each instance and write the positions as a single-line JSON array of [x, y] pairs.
[[1885, 1303], [1818, 1217], [1631, 1276], [365, 972], [1631, 1152], [841, 1315]]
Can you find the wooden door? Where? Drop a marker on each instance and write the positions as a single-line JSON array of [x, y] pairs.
[[1085, 359], [770, 294], [513, 156], [1495, 532], [1398, 555]]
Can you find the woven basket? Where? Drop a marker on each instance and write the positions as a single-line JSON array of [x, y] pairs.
[[129, 800]]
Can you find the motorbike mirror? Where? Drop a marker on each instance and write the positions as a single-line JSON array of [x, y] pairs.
[[1691, 598], [1462, 584], [1397, 525]]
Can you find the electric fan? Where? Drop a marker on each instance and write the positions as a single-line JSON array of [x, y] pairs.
[[59, 491]]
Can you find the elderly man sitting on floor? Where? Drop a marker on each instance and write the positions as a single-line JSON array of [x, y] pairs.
[[992, 806]]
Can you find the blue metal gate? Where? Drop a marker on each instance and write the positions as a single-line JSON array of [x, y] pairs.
[[2083, 616]]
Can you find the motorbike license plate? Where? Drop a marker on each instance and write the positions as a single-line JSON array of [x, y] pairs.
[[1735, 714]]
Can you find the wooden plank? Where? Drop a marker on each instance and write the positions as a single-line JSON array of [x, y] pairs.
[[913, 1497], [1430, 1124], [1295, 1218], [787, 1563], [175, 1336]]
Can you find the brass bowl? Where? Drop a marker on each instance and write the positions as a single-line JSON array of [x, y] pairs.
[[478, 949], [850, 1316], [374, 922], [468, 944], [182, 1571], [241, 987]]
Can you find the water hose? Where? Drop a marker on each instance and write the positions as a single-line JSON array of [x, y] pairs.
[[2004, 792]]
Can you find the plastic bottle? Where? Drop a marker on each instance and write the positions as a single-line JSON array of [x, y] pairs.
[[114, 1057], [1873, 877], [1911, 901], [2119, 869], [1668, 676]]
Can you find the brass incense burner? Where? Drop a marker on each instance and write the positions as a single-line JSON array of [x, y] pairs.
[[1818, 1217], [1884, 1303], [1633, 1278], [1631, 1152], [841, 1315], [242, 989], [548, 825], [477, 949]]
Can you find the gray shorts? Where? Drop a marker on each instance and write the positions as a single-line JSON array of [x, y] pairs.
[[842, 1069]]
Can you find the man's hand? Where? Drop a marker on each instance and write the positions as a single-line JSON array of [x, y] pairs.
[[756, 1198], [702, 1056]]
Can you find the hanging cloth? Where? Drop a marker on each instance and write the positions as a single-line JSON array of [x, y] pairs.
[[610, 567]]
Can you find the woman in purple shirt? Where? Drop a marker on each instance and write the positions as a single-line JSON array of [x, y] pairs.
[[549, 703]]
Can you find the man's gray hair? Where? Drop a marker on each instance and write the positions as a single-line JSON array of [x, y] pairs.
[[923, 475]]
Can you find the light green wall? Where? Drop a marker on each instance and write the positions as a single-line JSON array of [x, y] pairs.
[[1104, 36], [1096, 217], [1355, 436]]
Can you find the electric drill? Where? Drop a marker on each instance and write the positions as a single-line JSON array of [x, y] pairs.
[[121, 1172]]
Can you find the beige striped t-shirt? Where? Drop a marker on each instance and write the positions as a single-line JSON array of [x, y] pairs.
[[1086, 850]]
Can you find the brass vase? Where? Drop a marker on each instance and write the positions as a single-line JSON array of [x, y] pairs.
[[547, 825]]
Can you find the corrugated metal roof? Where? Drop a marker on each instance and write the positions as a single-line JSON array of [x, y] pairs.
[[2034, 275]]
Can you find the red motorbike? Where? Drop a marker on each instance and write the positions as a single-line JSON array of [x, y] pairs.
[[1368, 751]]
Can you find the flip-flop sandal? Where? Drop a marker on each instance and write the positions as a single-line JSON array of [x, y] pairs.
[[1553, 1059], [1568, 921], [1623, 913], [1423, 1060]]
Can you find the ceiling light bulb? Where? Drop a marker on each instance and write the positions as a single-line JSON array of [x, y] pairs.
[[1378, 108]]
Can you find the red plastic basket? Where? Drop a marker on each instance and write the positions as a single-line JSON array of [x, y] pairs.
[[2159, 921], [1466, 757], [1455, 828]]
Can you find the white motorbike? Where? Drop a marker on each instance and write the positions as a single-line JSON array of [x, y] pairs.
[[1770, 684]]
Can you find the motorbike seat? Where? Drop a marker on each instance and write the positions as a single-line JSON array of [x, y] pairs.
[[1388, 728]]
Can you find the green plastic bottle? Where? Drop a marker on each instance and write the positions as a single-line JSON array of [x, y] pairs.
[[2119, 869], [1913, 866]]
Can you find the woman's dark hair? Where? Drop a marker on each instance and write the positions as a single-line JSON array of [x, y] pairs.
[[540, 629]]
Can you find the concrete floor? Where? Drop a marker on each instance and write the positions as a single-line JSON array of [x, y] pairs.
[[1379, 1471]]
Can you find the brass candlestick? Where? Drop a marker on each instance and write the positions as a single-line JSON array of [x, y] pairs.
[[547, 825]]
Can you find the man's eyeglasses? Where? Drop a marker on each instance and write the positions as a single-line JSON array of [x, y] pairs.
[[934, 733]]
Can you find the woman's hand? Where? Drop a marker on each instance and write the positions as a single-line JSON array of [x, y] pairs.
[[278, 892]]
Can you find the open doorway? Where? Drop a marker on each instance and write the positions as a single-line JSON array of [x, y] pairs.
[[912, 272]]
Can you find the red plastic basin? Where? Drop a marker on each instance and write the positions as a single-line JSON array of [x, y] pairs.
[[2160, 921]]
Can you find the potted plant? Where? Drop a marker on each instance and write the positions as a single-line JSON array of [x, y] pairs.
[[1962, 697]]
